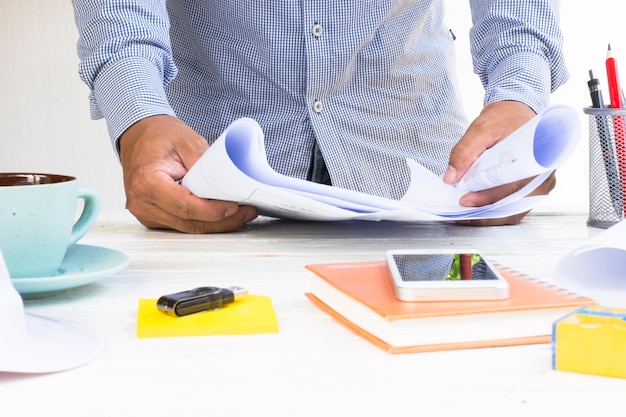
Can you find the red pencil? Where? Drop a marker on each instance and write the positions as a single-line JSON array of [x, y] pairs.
[[615, 92], [619, 128]]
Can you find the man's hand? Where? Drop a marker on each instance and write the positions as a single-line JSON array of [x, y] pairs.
[[156, 152], [496, 121]]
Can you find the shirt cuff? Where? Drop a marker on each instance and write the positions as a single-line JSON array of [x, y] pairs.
[[524, 77], [127, 91]]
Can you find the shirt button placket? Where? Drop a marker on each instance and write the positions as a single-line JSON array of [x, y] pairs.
[[317, 30]]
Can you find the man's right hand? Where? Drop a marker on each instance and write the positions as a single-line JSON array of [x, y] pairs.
[[156, 152]]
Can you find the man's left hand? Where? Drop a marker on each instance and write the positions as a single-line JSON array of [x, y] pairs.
[[496, 121]]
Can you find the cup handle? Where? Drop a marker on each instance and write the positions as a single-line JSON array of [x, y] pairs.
[[87, 218]]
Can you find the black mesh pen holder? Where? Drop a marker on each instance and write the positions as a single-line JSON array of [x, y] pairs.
[[607, 166]]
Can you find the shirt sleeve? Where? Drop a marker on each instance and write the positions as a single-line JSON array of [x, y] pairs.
[[125, 60], [517, 50]]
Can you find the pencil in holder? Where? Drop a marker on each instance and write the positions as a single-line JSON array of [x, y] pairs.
[[607, 166]]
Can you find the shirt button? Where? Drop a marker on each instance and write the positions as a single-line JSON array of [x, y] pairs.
[[317, 30], [317, 106]]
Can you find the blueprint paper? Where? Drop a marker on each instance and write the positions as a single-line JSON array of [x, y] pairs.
[[597, 267], [238, 155]]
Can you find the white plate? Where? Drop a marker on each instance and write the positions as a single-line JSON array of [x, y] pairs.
[[83, 264]]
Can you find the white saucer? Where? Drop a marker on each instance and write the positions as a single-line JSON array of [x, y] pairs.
[[83, 264]]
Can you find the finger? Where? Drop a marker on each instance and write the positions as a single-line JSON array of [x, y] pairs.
[[481, 134], [463, 155], [491, 195], [544, 189], [503, 221], [230, 223], [154, 217], [175, 199], [166, 204]]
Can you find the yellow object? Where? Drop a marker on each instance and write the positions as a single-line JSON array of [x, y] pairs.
[[250, 315], [592, 340]]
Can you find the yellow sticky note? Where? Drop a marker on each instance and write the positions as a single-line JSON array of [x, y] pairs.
[[253, 314]]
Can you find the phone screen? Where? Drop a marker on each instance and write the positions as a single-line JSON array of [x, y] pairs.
[[439, 267]]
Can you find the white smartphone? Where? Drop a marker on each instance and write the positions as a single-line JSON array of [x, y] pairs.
[[445, 275]]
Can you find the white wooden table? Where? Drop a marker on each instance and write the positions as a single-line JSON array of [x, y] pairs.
[[313, 366]]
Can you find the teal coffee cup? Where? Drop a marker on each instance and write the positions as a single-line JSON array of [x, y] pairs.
[[38, 223]]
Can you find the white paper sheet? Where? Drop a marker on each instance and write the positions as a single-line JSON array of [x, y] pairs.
[[598, 267], [235, 168], [31, 343]]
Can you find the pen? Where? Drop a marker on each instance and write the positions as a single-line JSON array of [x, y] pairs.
[[608, 153], [619, 129]]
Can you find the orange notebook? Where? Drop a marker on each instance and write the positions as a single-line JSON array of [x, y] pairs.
[[360, 295]]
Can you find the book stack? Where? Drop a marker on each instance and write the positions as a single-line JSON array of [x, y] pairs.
[[360, 296]]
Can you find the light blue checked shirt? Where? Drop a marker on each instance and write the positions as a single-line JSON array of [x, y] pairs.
[[371, 81]]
